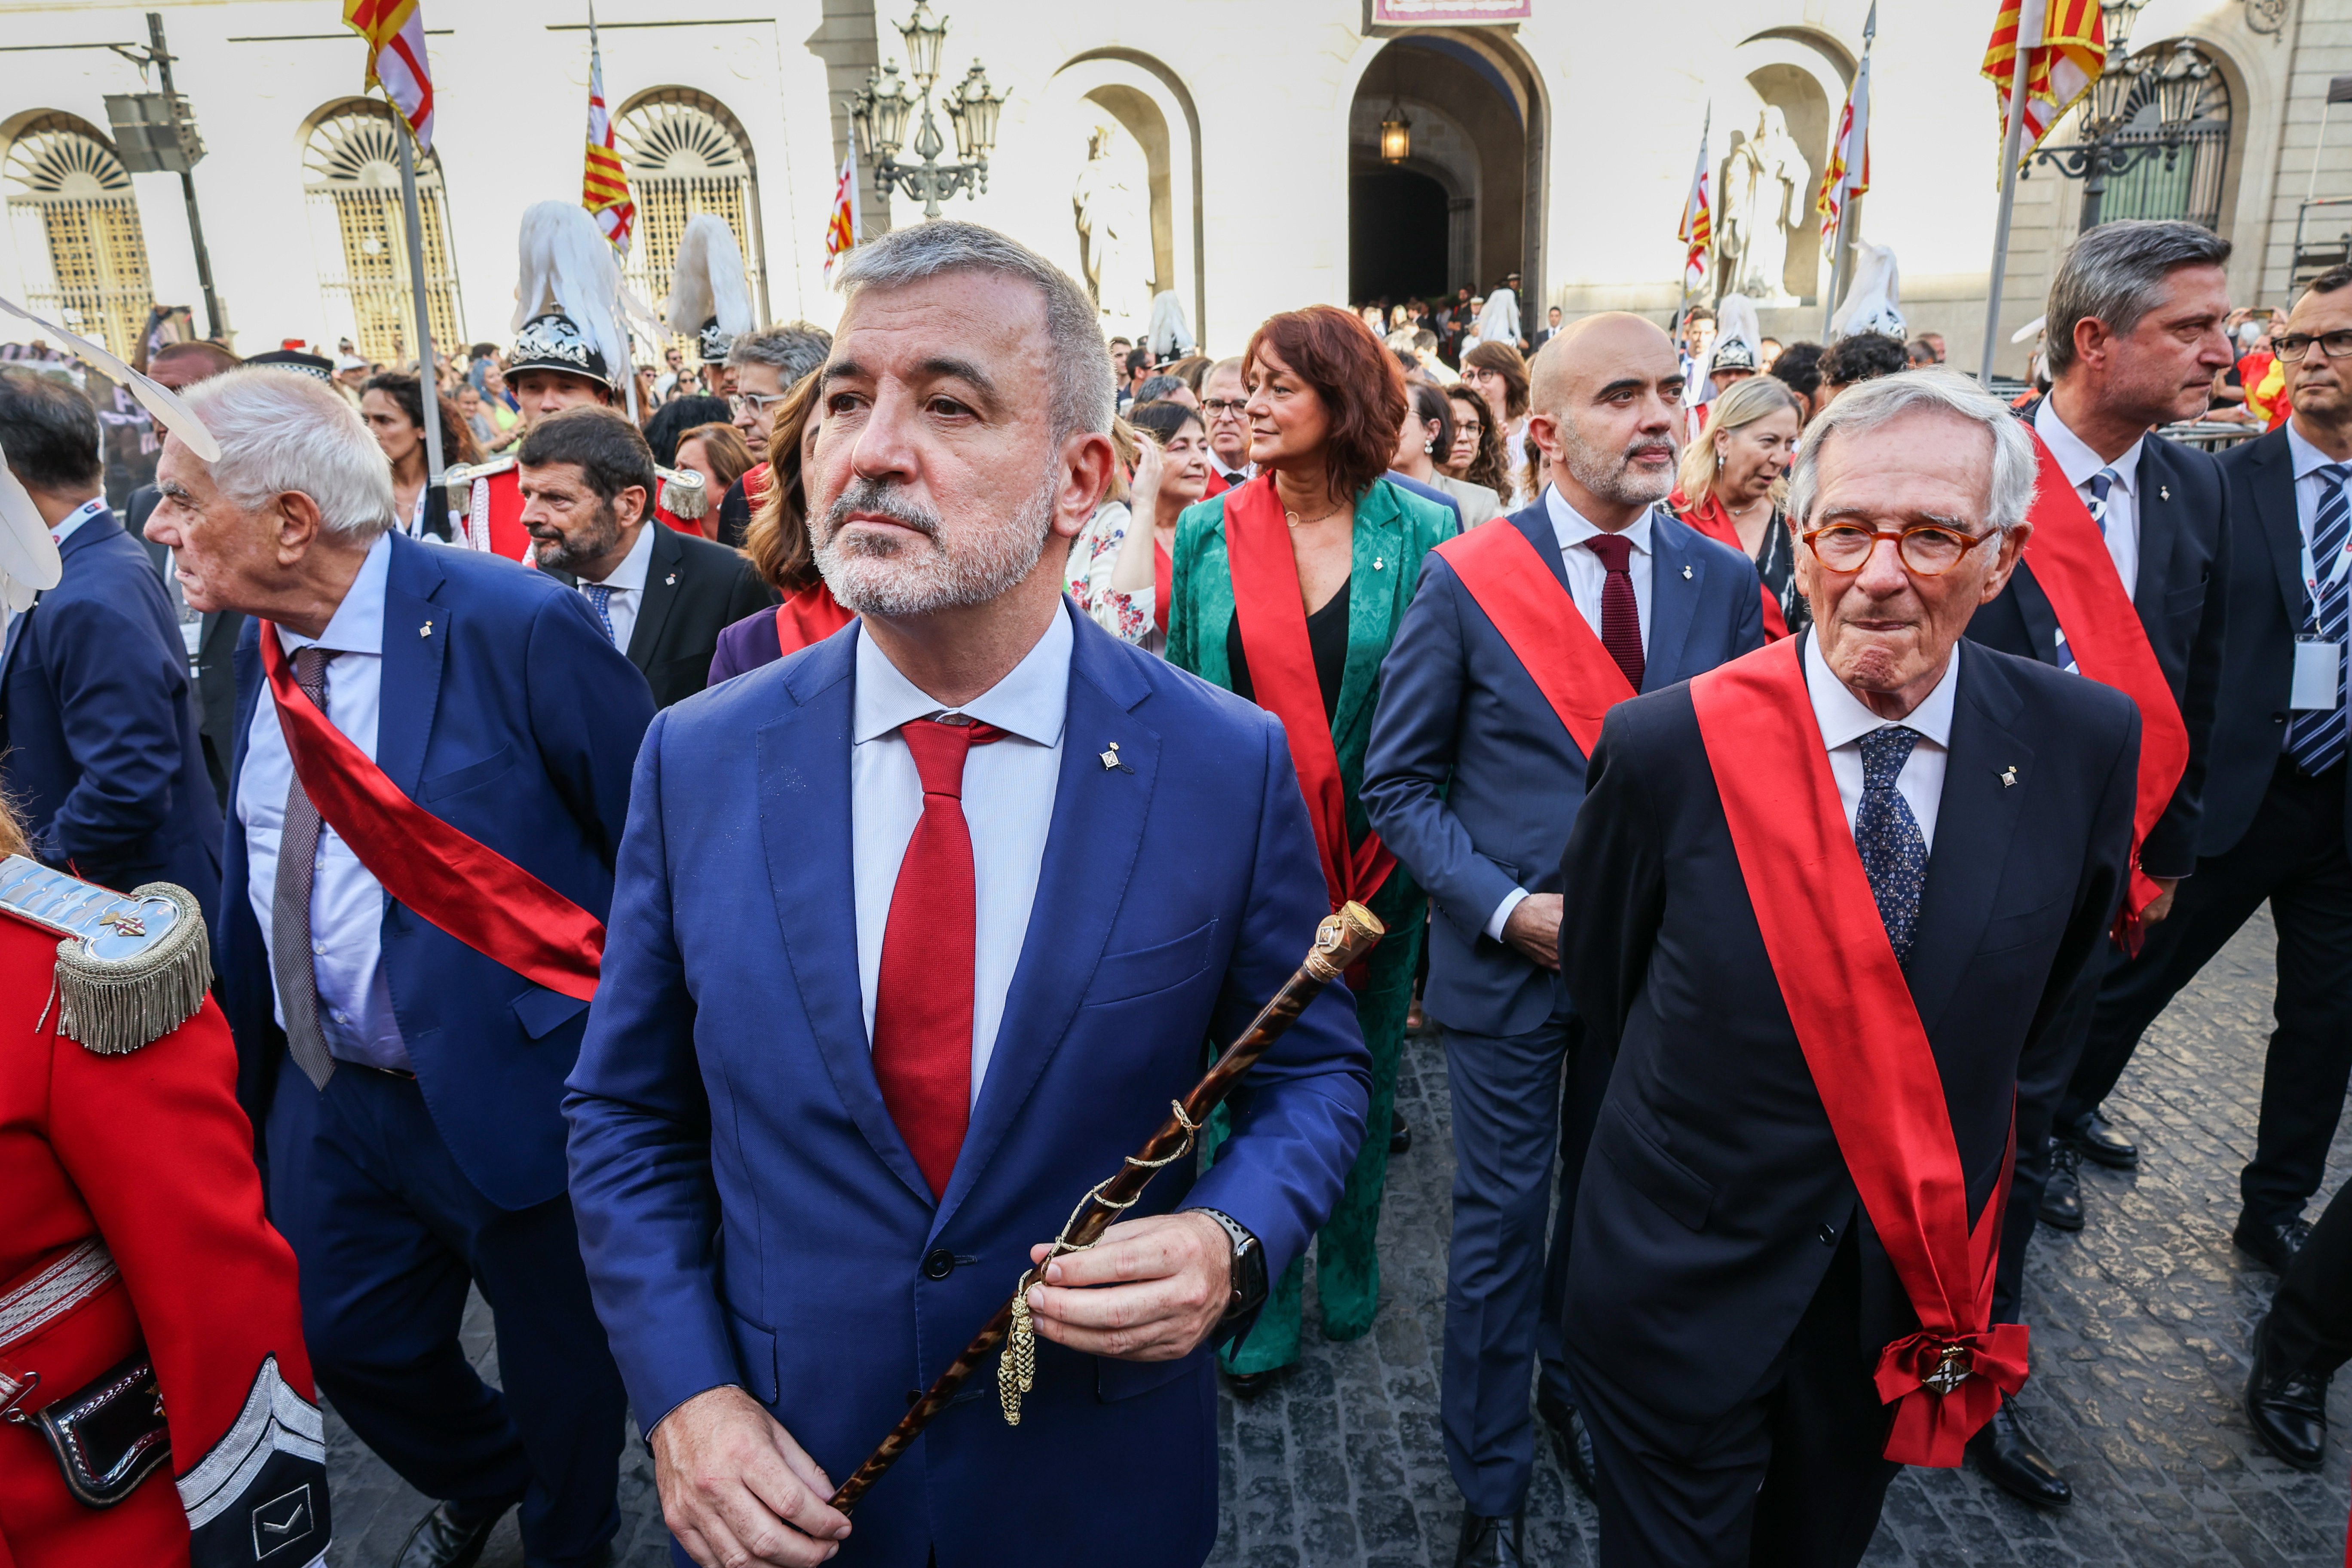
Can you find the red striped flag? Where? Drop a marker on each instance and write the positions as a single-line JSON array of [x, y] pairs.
[[2064, 55], [604, 185], [841, 228], [1697, 229], [394, 31], [1848, 175]]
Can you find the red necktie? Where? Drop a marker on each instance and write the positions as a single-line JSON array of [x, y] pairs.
[[1621, 616], [922, 999]]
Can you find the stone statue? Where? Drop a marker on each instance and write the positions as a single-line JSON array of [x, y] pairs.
[[1764, 189], [1114, 215]]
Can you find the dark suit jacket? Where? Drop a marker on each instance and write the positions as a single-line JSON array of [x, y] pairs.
[[2184, 548], [2264, 588], [1715, 1193], [1473, 781], [99, 747], [215, 653], [694, 590], [516, 723]]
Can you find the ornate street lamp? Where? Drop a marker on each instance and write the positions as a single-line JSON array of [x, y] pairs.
[[878, 113], [1396, 134], [2179, 82]]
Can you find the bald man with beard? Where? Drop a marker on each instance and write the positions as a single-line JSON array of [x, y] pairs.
[[1490, 700]]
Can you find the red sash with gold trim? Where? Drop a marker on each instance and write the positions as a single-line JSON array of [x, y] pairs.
[[2104, 633], [1867, 1050], [809, 617], [1516, 589], [460, 884], [1272, 619], [1716, 524]]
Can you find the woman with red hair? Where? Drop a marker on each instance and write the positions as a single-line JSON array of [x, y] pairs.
[[1287, 591]]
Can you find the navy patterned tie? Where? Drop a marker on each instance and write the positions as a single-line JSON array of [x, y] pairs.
[[599, 599], [1893, 850], [2100, 483], [2315, 738]]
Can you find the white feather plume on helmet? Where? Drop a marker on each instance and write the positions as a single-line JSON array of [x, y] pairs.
[[28, 556], [710, 288], [1872, 300], [568, 271], [1738, 338]]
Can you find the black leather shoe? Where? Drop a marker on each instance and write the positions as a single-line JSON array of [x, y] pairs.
[[2270, 1243], [452, 1535], [2007, 1458], [2096, 1136], [2287, 1408], [1250, 1384], [1569, 1438], [1400, 1135], [1491, 1541], [2062, 1194]]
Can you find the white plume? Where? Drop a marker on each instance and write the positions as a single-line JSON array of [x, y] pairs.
[[709, 279], [569, 265], [28, 556], [1735, 318], [1873, 301], [1169, 334], [153, 397]]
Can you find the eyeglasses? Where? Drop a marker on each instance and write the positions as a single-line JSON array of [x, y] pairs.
[[1218, 407], [2295, 345], [1925, 549], [755, 402]]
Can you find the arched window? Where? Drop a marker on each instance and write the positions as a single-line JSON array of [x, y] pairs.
[[686, 154], [357, 230], [77, 227], [2187, 184]]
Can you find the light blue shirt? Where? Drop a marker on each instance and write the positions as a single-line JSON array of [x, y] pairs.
[[1008, 802], [347, 903]]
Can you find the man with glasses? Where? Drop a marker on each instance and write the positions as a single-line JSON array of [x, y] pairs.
[[2124, 587], [1828, 899], [762, 368], [1224, 403]]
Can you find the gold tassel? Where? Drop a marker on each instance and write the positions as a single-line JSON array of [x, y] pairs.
[[1016, 1369]]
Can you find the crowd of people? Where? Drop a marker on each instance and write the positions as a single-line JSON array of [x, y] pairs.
[[726, 880]]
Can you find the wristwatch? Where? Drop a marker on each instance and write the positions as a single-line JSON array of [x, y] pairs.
[[1248, 1267]]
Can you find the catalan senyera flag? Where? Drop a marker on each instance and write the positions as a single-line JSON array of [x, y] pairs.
[[2064, 55], [1697, 229], [1848, 175], [604, 185], [841, 227], [394, 31]]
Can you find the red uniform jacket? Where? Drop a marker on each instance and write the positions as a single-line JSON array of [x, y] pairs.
[[497, 504]]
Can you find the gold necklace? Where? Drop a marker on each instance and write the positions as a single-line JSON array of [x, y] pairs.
[[1298, 521]]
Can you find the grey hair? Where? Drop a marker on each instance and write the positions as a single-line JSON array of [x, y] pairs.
[[2114, 274], [793, 349], [2008, 495], [283, 431], [1082, 391]]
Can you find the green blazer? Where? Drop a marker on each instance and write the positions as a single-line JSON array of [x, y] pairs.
[[1394, 529]]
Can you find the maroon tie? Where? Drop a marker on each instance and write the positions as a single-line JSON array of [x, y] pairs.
[[922, 999], [1621, 616]]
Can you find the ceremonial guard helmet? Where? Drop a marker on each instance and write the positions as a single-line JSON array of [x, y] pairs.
[[709, 290], [1873, 301], [1738, 338], [317, 365], [566, 302]]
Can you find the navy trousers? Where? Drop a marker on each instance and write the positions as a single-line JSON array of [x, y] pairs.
[[389, 1234], [1502, 1295]]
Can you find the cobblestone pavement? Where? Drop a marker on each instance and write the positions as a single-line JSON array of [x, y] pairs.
[[2140, 1323]]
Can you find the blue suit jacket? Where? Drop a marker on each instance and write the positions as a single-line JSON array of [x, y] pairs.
[[98, 731], [748, 1209], [516, 721], [1473, 781]]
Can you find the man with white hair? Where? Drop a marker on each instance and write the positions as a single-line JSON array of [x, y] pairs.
[[918, 933], [1830, 896], [427, 793]]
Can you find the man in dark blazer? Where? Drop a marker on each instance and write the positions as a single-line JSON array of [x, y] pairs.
[[405, 1080], [1730, 1294], [1473, 781], [662, 597], [2133, 341], [99, 749]]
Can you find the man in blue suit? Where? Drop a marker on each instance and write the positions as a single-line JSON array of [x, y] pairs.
[[98, 743], [1474, 780], [917, 935], [405, 1080]]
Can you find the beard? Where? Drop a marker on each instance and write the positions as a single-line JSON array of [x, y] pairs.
[[874, 574], [556, 552], [1610, 475]]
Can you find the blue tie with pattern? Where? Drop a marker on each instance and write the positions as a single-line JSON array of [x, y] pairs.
[[2315, 738], [2100, 483], [600, 598], [1893, 850]]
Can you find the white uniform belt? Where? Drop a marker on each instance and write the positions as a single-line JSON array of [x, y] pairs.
[[54, 1291]]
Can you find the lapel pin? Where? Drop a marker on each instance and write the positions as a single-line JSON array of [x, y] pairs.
[[2164, 492], [2007, 776], [1112, 762], [1378, 563], [670, 581], [425, 630]]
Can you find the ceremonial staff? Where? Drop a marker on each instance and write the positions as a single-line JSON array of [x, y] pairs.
[[1341, 941]]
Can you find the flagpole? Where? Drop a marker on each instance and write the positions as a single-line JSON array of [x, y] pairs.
[[2030, 19], [429, 378], [1850, 211]]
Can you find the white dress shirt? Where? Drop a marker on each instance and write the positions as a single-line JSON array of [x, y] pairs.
[[1845, 721], [1008, 802], [347, 903], [628, 584], [68, 525], [2080, 465]]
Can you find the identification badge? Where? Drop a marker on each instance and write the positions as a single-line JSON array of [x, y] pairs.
[[2318, 665]]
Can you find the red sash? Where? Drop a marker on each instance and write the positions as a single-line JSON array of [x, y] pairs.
[[1866, 1048], [1516, 589], [2104, 633], [755, 484], [809, 617], [1164, 585], [1716, 524], [1217, 486], [1282, 672], [460, 885]]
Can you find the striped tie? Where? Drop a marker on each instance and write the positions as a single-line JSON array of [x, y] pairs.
[[2315, 739], [2100, 483], [599, 599]]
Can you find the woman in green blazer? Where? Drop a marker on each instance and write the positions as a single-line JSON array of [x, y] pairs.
[[1287, 591]]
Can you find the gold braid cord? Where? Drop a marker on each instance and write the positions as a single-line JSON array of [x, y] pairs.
[[1016, 1369]]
